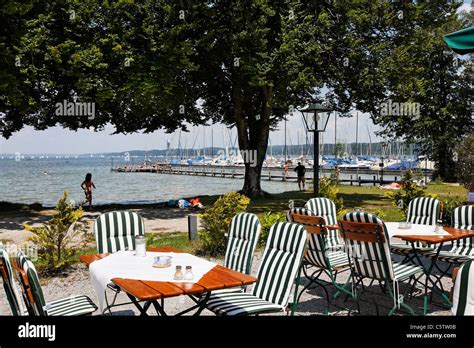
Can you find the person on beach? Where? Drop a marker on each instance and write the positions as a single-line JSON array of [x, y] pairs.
[[301, 171], [87, 186]]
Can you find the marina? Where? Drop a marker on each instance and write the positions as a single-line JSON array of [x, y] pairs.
[[348, 176]]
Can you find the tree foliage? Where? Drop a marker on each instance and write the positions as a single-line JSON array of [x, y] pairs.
[[248, 64]]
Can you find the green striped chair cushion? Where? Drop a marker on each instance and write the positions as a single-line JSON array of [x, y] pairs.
[[323, 207], [423, 211], [71, 306], [244, 232], [240, 303], [28, 267], [13, 295], [278, 269], [297, 210], [448, 256], [368, 258], [75, 305], [116, 231], [322, 254], [326, 209], [463, 218], [463, 294], [463, 249]]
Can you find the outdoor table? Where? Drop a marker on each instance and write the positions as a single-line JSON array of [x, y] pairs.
[[150, 292], [453, 234]]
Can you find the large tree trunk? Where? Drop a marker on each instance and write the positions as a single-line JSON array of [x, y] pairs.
[[253, 133], [444, 164]]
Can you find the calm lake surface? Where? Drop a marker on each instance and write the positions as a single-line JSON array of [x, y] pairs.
[[43, 180]]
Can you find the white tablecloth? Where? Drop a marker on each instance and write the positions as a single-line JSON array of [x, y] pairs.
[[415, 230], [124, 264]]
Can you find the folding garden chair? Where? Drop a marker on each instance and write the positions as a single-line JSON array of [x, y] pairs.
[[319, 258], [463, 294], [70, 306], [13, 294], [242, 239], [115, 231], [368, 246], [423, 211], [278, 269], [326, 209], [462, 249]]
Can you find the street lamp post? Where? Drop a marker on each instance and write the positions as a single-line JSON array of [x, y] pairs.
[[316, 117]]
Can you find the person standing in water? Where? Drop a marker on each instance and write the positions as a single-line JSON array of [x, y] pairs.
[[87, 186], [301, 171]]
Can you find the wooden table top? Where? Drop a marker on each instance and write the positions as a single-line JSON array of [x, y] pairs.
[[454, 234], [219, 277]]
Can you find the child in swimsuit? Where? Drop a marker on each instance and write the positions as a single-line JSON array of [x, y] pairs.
[[87, 186]]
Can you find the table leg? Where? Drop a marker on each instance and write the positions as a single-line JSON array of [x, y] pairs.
[[143, 309], [427, 272]]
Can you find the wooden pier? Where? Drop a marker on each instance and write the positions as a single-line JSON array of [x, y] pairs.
[[269, 173]]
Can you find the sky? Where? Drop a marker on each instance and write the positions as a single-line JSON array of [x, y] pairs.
[[61, 141]]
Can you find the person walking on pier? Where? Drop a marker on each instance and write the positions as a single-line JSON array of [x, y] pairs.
[[301, 171]]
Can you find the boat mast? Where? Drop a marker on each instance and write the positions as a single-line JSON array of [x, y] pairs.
[[357, 134]]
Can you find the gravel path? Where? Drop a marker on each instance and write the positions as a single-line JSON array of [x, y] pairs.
[[312, 302]]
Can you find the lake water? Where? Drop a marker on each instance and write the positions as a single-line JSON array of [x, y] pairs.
[[44, 181]]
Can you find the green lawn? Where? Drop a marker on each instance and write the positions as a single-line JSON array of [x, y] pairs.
[[369, 198], [178, 240]]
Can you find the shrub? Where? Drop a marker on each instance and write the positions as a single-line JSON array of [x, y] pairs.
[[328, 189], [216, 220], [267, 220], [408, 190], [448, 205], [59, 239]]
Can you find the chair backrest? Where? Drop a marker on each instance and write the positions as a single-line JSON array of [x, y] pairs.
[[463, 218], [280, 262], [463, 295], [11, 290], [323, 207], [326, 208], [297, 210], [316, 253], [244, 232], [31, 284], [367, 244], [116, 231], [423, 210]]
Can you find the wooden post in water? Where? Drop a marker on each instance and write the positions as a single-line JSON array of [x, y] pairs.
[[360, 184]]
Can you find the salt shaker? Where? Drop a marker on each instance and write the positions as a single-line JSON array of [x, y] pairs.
[[140, 246], [178, 275], [188, 275]]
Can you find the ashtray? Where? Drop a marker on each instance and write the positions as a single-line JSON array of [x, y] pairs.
[[404, 225], [162, 261]]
